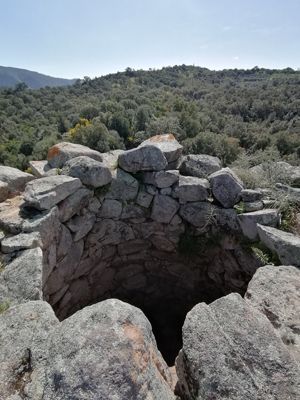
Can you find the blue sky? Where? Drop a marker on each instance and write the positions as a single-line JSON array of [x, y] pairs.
[[76, 38]]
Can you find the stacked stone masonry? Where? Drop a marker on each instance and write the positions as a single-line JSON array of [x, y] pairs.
[[89, 227]]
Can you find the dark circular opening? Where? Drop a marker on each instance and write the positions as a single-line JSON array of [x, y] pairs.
[[164, 285]]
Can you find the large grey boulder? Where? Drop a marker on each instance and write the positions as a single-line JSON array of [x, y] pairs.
[[164, 208], [275, 291], [44, 193], [24, 335], [284, 244], [106, 351], [248, 221], [161, 179], [190, 188], [21, 280], [74, 203], [199, 165], [226, 187], [91, 172], [15, 179], [168, 144], [145, 158], [123, 187], [60, 153], [230, 350]]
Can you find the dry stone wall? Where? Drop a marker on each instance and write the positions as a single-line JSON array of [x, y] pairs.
[[119, 229], [146, 226]]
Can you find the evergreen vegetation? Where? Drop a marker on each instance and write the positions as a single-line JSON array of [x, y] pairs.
[[224, 113]]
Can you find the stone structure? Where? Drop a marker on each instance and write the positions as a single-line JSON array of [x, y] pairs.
[[127, 225]]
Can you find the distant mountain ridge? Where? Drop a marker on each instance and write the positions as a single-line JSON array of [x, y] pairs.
[[10, 76]]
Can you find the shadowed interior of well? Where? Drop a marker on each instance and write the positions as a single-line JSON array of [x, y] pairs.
[[164, 285]]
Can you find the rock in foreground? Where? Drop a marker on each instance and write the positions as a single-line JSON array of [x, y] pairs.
[[106, 351], [275, 291], [231, 351], [284, 244], [24, 335]]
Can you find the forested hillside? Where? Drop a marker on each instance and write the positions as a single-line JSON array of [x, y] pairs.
[[10, 77], [224, 113]]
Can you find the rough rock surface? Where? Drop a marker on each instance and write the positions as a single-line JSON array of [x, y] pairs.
[[164, 208], [21, 242], [226, 187], [60, 153], [91, 172], [80, 225], [15, 179], [21, 280], [110, 159], [249, 221], [199, 214], [250, 195], [190, 188], [161, 179], [284, 244], [145, 158], [275, 291], [123, 186], [119, 361], [230, 350], [74, 203], [199, 165], [46, 192], [167, 144], [24, 336], [39, 168]]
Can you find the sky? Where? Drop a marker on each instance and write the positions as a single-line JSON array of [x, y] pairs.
[[77, 38]]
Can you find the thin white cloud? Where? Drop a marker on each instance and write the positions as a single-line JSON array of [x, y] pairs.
[[236, 58]]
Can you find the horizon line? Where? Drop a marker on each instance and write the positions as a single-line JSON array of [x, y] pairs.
[[295, 69]]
